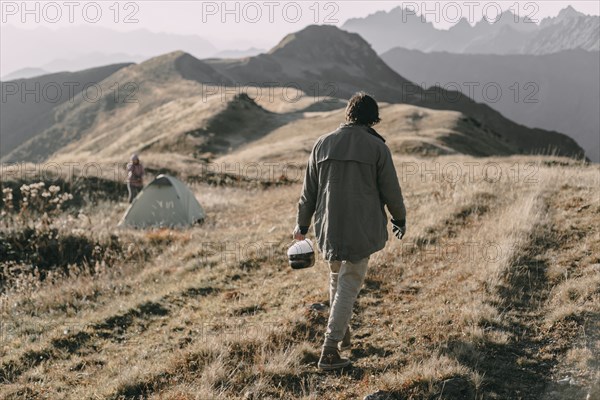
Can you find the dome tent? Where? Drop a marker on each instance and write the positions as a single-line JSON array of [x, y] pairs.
[[164, 202]]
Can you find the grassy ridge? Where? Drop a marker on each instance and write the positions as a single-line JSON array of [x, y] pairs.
[[494, 293]]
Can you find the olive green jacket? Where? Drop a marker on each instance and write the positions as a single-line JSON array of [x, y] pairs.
[[349, 179]]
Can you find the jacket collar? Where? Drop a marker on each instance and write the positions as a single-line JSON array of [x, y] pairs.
[[367, 128]]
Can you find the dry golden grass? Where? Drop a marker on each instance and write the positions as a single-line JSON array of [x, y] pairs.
[[493, 293], [173, 120]]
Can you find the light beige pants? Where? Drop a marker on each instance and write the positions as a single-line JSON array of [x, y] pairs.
[[345, 280]]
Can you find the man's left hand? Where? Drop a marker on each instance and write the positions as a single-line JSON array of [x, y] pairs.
[[398, 228]]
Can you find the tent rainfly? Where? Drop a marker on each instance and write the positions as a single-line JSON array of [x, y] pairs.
[[164, 202]]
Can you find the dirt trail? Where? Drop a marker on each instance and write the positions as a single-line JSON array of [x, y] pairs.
[[525, 367], [516, 369]]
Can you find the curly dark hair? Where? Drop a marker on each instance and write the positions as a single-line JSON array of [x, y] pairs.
[[362, 109]]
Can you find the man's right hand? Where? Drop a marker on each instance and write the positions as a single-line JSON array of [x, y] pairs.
[[399, 228], [300, 233]]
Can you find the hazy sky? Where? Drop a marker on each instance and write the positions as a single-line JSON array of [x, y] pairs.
[[243, 24]]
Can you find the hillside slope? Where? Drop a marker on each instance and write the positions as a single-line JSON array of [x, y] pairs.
[[408, 130], [239, 130], [536, 91], [325, 59], [28, 104], [129, 118]]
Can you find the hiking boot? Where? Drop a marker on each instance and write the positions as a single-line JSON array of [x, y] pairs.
[[346, 343], [330, 359]]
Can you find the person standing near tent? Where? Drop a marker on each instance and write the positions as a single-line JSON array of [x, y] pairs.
[[349, 179], [135, 177]]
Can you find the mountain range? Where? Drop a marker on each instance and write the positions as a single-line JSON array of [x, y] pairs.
[[319, 56], [25, 73], [557, 91], [250, 52], [68, 49], [508, 34], [80, 47], [173, 105]]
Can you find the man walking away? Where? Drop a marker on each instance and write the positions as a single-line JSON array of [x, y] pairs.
[[135, 177], [349, 179]]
